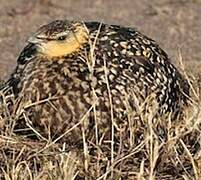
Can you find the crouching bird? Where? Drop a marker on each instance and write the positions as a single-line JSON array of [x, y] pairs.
[[75, 77]]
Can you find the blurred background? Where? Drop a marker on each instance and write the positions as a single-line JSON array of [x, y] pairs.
[[174, 24]]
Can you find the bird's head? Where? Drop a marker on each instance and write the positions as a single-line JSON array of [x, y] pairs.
[[59, 38]]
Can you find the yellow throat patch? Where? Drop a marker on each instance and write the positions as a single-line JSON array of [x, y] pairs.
[[73, 43]]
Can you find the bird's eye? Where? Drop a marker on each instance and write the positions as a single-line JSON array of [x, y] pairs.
[[61, 38]]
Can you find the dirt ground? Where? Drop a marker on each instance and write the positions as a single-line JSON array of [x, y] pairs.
[[174, 24]]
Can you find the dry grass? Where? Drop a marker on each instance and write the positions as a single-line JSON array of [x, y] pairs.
[[143, 148]]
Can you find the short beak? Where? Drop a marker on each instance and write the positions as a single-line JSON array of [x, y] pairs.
[[34, 40]]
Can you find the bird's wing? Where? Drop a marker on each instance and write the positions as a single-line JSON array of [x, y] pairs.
[[28, 53]]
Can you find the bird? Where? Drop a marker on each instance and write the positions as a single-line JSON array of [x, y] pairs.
[[75, 75]]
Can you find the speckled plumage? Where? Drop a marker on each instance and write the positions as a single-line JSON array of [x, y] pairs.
[[115, 65]]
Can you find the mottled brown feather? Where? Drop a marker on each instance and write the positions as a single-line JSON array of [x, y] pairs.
[[56, 92]]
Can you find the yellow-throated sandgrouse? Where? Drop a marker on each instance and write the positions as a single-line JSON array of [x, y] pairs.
[[78, 74]]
